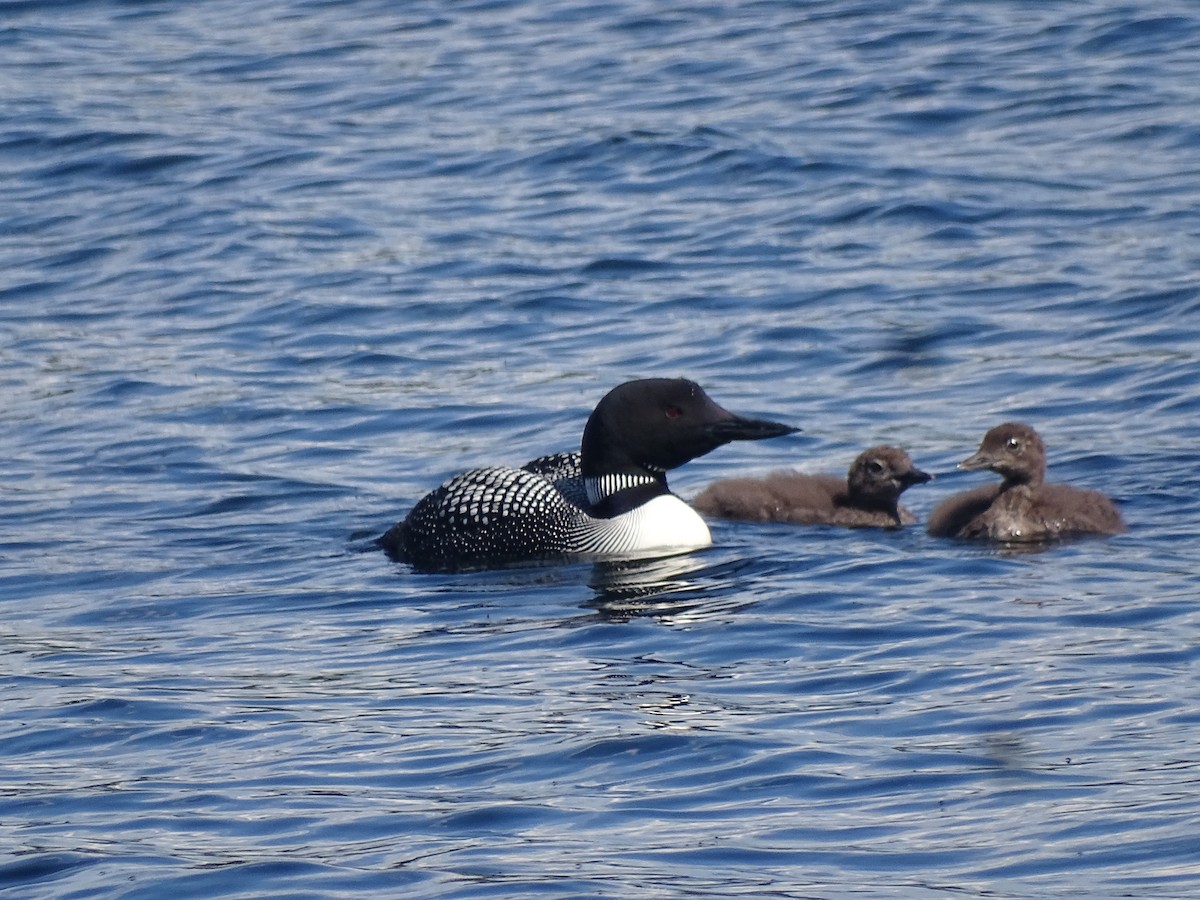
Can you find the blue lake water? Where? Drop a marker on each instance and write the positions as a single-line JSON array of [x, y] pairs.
[[269, 272]]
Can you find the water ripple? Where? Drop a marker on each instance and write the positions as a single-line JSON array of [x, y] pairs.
[[271, 273]]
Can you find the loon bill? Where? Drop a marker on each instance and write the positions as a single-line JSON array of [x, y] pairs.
[[610, 499]]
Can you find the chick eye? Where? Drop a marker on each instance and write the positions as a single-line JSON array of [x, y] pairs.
[[673, 412], [1013, 444], [875, 467]]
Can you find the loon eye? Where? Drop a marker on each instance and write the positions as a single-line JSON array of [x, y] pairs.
[[673, 412], [875, 467], [1013, 444]]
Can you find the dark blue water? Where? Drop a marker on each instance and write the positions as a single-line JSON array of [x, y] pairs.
[[269, 272]]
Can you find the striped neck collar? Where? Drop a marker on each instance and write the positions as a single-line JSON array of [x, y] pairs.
[[601, 488]]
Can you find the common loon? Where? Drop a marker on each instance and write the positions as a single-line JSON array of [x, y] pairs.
[[609, 500], [868, 497], [1022, 508]]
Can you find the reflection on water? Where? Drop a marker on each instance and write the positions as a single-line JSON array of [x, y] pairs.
[[675, 589]]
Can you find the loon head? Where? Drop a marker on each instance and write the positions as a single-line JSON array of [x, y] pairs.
[[880, 475], [656, 424], [1013, 450]]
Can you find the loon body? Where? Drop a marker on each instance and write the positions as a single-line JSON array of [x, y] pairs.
[[867, 497], [1023, 508], [611, 499]]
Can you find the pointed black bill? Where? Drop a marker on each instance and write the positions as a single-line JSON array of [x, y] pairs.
[[915, 476], [740, 429]]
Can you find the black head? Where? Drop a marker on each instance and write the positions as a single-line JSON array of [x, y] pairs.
[[657, 424], [881, 474], [1013, 450]]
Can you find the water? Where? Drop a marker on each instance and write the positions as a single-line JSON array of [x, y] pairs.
[[271, 272]]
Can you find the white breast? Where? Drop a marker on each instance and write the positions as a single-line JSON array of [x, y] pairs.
[[665, 524]]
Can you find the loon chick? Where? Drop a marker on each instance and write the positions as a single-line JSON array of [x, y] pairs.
[[868, 496], [1022, 508], [611, 499]]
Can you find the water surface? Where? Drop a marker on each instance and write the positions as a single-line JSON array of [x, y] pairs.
[[271, 273]]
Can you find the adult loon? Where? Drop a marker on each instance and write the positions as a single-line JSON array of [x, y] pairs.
[[1022, 508], [609, 500], [867, 497]]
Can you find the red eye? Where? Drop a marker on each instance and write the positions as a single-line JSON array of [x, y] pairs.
[[673, 412]]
